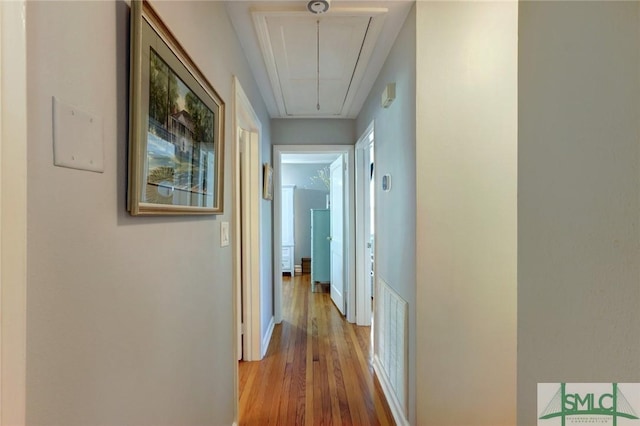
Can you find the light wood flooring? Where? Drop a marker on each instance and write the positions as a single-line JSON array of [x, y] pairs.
[[317, 369]]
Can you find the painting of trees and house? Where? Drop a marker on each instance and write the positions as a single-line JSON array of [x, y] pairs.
[[180, 141]]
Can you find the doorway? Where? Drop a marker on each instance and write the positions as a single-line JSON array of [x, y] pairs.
[[313, 217], [246, 232], [365, 229], [246, 229], [348, 244]]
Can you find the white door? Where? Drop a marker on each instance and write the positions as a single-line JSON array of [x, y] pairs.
[[337, 231]]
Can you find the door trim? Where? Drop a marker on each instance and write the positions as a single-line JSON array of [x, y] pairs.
[[363, 307], [13, 212], [349, 223], [246, 119]]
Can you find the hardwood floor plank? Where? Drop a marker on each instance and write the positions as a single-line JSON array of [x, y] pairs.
[[334, 394], [317, 370], [365, 380], [335, 353]]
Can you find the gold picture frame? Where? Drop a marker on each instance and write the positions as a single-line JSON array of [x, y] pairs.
[[176, 130], [267, 178]]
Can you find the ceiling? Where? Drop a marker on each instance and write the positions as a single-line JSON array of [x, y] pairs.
[[316, 66]]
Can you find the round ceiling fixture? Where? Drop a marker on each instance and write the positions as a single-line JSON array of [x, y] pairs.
[[318, 6]]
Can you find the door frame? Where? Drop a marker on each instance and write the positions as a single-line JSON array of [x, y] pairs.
[[245, 118], [363, 307], [349, 223], [13, 212]]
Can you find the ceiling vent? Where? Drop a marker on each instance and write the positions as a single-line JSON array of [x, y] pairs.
[[318, 6]]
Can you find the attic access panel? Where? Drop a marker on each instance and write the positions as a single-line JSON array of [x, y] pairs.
[[317, 61]]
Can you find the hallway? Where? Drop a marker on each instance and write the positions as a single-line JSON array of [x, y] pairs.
[[313, 349]]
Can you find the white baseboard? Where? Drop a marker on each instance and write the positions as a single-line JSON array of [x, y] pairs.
[[394, 405], [267, 337]]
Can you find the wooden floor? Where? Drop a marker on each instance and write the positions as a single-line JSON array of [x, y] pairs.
[[317, 369]]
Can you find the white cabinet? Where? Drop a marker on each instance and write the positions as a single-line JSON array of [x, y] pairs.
[[287, 259], [288, 240]]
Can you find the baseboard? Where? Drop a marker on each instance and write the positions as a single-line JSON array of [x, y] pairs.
[[267, 337], [394, 405]]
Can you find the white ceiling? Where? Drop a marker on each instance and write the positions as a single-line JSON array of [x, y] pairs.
[[301, 60]]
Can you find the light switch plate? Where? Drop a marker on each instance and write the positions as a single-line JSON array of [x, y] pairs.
[[77, 138], [224, 234]]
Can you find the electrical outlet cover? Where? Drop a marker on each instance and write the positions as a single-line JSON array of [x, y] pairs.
[[77, 138]]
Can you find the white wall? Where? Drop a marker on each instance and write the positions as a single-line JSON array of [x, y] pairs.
[[266, 223], [301, 174], [578, 235], [129, 320], [466, 155], [319, 131], [395, 147]]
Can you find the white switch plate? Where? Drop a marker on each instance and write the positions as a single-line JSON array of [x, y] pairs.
[[77, 138], [224, 234]]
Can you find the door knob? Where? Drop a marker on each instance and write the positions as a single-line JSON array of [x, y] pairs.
[[329, 238]]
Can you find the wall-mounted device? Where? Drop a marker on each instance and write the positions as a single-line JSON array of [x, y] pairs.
[[388, 95], [386, 183]]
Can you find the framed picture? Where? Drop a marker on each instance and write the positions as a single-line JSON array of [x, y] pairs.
[[176, 125], [267, 190]]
